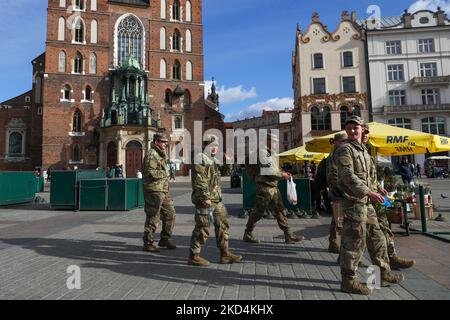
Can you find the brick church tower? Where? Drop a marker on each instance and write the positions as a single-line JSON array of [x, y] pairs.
[[116, 72]]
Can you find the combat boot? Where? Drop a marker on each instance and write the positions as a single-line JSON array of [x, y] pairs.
[[249, 237], [290, 238], [390, 277], [333, 247], [227, 257], [167, 243], [397, 262], [350, 285], [149, 247], [196, 260]]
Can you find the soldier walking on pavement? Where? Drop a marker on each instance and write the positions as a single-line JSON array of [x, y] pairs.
[[267, 175], [396, 262], [355, 183], [335, 196], [158, 202], [209, 208]]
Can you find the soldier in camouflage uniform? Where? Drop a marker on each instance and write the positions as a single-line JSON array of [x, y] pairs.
[[268, 195], [158, 202], [354, 183], [335, 196], [395, 261], [209, 208]]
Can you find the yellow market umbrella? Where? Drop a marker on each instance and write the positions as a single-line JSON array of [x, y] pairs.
[[391, 141], [300, 154]]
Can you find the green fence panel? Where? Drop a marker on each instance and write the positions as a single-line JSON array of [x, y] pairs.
[[248, 192], [64, 190], [122, 194], [93, 195], [17, 187], [303, 187], [90, 174], [64, 187], [140, 194]]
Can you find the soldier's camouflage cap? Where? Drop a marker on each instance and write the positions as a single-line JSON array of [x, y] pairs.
[[340, 137], [366, 128], [211, 139], [161, 137], [355, 119]]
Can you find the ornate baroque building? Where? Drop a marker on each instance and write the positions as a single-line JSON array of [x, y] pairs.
[[409, 61], [329, 78], [114, 72]]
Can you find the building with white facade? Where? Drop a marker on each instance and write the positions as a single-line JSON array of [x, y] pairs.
[[409, 65], [329, 78]]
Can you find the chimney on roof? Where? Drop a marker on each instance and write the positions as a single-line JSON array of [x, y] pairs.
[[354, 16]]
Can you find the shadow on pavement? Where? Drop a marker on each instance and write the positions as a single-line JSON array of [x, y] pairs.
[[168, 265]]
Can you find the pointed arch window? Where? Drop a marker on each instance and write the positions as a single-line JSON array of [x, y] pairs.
[[130, 35], [78, 64], [67, 92], [189, 71], [78, 34], [176, 70], [62, 62], [88, 93], [76, 125], [93, 63], [61, 29], [176, 39], [188, 41], [162, 38], [94, 31], [163, 69], [163, 9], [168, 98], [188, 11], [176, 10]]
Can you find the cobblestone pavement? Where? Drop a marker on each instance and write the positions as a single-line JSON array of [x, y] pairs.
[[37, 245]]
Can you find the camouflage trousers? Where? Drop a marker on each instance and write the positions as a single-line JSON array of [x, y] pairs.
[[158, 206], [389, 235], [361, 227], [268, 198], [202, 225], [336, 222]]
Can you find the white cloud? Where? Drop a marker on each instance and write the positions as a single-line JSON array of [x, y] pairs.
[[430, 5], [230, 95], [256, 109]]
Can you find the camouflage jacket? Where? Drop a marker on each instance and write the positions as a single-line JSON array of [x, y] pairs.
[[354, 171], [332, 173], [155, 174], [375, 186], [205, 180], [269, 170]]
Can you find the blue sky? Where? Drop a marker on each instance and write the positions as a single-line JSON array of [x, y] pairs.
[[247, 43]]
